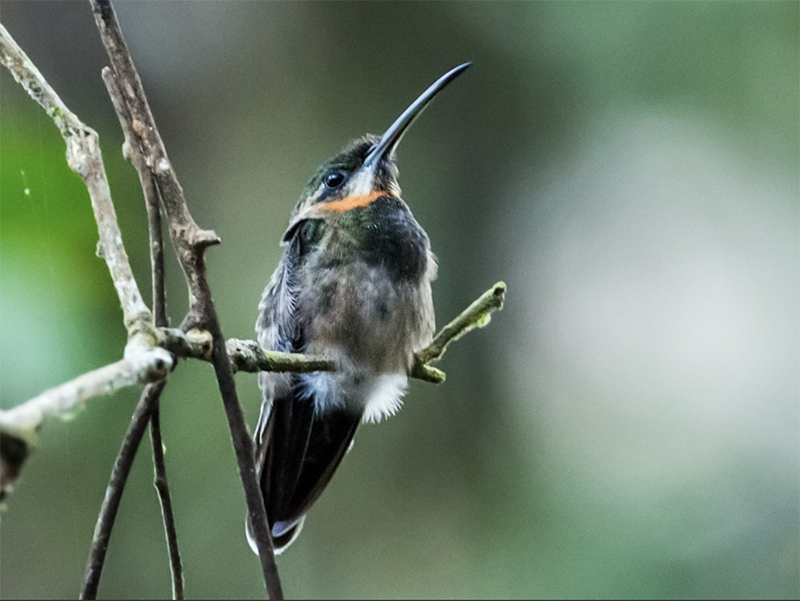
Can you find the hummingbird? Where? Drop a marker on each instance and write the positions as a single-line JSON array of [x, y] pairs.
[[354, 286]]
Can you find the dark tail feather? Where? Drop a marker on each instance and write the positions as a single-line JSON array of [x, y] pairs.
[[331, 436], [300, 452], [286, 437]]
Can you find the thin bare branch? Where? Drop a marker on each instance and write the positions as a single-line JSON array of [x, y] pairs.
[[153, 204], [477, 315], [247, 355], [152, 200], [147, 365], [143, 137], [116, 486], [161, 482], [168, 516], [85, 159]]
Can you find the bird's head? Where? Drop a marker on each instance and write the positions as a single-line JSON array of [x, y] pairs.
[[364, 171]]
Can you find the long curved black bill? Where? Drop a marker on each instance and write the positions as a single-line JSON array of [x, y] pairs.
[[391, 138]]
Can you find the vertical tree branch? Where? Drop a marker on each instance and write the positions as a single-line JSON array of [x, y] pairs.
[[156, 252], [152, 202], [160, 314], [162, 486], [190, 243]]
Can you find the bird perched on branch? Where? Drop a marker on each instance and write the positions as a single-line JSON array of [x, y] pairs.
[[353, 285]]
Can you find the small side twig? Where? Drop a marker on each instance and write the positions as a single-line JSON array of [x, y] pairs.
[[477, 315]]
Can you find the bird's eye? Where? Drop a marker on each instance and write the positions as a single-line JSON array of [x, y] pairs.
[[334, 179]]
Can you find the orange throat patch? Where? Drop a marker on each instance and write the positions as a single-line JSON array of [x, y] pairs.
[[349, 203]]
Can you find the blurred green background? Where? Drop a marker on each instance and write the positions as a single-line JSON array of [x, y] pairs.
[[627, 427]]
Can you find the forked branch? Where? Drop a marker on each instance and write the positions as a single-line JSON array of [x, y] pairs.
[[85, 159], [143, 360], [190, 243], [152, 347]]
